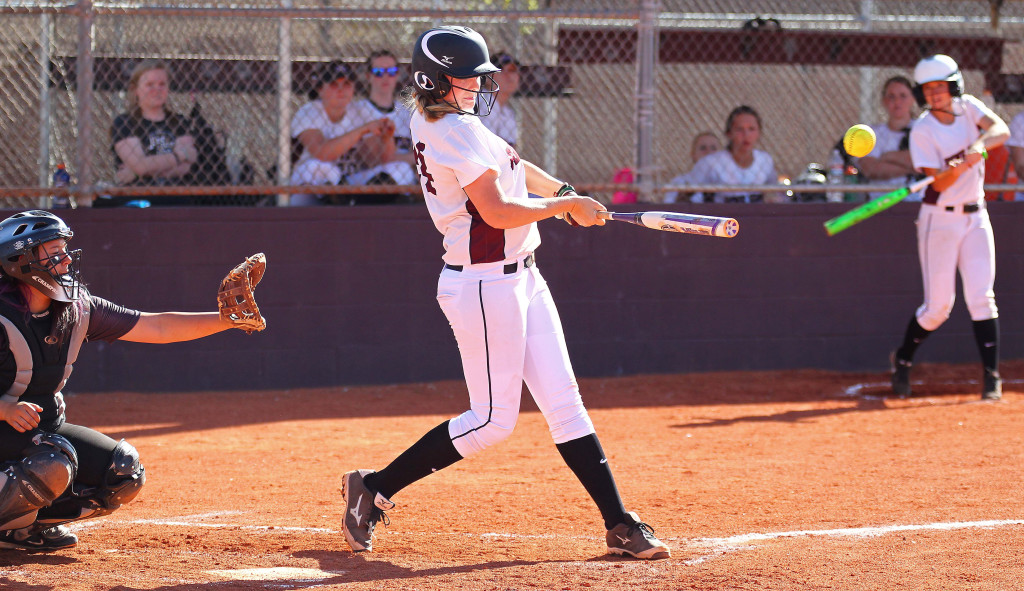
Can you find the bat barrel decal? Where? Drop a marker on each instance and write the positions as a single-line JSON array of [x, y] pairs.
[[668, 221]]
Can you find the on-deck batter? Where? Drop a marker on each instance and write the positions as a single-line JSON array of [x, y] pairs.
[[495, 298], [953, 228]]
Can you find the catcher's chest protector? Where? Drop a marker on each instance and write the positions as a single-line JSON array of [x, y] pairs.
[[23, 353]]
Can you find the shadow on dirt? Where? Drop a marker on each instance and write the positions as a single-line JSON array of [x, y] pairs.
[[134, 414]]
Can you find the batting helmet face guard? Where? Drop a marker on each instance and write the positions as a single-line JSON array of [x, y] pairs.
[[937, 68], [445, 54], [21, 235]]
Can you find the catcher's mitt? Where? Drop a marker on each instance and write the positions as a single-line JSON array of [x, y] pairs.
[[235, 296]]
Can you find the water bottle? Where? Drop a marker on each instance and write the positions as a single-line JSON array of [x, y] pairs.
[[61, 178], [851, 177], [835, 176]]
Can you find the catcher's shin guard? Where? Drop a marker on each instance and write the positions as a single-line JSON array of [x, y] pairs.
[[47, 469], [122, 482]]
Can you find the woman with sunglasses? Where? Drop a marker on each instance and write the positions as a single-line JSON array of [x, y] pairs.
[[382, 77], [342, 141]]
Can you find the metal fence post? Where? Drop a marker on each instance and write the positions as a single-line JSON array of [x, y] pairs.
[[84, 81], [646, 62], [284, 92], [45, 23], [550, 104]]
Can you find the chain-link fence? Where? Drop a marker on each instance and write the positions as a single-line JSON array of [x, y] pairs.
[[611, 93]]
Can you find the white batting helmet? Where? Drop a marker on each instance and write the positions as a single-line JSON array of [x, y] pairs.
[[936, 68]]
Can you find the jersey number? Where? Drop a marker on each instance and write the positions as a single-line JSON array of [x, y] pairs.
[[428, 185]]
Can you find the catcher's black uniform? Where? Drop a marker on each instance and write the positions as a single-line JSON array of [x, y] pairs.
[[89, 493]]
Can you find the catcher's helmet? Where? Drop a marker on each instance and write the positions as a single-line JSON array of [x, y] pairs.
[[20, 234], [937, 68], [444, 53]]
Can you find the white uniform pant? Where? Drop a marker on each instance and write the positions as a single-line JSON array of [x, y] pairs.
[[948, 242], [508, 331]]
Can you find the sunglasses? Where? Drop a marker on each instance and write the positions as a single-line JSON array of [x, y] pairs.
[[379, 72]]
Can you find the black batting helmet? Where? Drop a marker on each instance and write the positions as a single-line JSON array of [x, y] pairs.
[[449, 52], [20, 234]]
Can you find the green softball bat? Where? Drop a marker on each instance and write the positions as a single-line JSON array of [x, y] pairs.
[[882, 203], [876, 205]]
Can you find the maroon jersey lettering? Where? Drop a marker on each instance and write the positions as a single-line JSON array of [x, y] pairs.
[[428, 184], [513, 157]]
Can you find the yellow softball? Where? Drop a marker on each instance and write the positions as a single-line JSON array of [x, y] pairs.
[[859, 140]]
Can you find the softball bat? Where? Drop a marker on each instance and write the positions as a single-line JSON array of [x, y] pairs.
[[667, 221], [882, 203]]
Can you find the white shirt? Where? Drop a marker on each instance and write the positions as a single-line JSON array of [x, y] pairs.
[[1016, 141], [456, 150], [313, 116], [401, 116], [1016, 131], [502, 122], [718, 168], [887, 140], [934, 144]]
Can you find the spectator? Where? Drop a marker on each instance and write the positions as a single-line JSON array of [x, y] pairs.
[[344, 142], [153, 146], [704, 143], [382, 76], [502, 120], [889, 162], [739, 164], [1016, 146]]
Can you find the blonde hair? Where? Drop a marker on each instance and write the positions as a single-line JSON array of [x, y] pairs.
[[133, 84], [426, 106]]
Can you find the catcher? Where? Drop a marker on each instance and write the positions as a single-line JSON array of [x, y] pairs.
[[52, 472]]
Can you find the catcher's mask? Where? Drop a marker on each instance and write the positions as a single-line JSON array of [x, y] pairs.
[[445, 54], [937, 68], [21, 237]]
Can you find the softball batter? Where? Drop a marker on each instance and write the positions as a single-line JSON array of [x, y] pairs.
[[492, 293], [953, 228]]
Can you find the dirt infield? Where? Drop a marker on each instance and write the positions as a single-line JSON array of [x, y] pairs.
[[782, 480]]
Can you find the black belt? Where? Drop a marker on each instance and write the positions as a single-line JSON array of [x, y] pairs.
[[509, 268], [968, 208]]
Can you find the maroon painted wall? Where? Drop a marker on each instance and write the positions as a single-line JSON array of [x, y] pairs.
[[349, 294]]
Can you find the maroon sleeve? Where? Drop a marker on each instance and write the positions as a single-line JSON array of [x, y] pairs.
[[109, 321]]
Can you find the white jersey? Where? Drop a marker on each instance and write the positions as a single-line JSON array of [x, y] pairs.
[[313, 116], [502, 122], [887, 140], [401, 116], [451, 153], [718, 168], [934, 144]]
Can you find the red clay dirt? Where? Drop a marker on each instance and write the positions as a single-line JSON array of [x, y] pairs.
[[773, 480]]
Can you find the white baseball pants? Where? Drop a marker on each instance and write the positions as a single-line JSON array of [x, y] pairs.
[[508, 331], [948, 242]]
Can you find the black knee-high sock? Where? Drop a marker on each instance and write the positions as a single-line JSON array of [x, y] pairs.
[[913, 337], [434, 451], [585, 458], [986, 334]]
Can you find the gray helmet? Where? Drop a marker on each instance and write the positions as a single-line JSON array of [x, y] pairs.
[[20, 234], [452, 52]]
